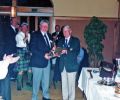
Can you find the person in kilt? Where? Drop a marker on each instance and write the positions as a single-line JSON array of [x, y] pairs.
[[22, 40]]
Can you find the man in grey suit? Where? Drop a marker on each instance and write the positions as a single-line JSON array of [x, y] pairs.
[[68, 63]]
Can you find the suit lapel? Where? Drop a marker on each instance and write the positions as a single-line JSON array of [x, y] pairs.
[[70, 41], [44, 39]]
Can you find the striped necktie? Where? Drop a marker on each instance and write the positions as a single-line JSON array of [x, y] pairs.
[[46, 40], [66, 45]]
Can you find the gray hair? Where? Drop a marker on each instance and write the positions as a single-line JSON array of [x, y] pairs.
[[44, 21], [24, 24], [67, 26]]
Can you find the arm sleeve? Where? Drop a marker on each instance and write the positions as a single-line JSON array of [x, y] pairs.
[[3, 68], [19, 39]]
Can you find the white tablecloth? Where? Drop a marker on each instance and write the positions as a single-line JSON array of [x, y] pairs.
[[92, 90]]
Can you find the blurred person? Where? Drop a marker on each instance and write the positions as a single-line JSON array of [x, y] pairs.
[[40, 61], [84, 60], [4, 64], [22, 42], [9, 48], [68, 62], [7, 59], [55, 35], [55, 61], [10, 43]]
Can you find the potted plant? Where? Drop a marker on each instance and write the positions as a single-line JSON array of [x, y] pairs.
[[94, 33]]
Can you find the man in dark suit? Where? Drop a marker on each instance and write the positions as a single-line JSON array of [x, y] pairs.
[[40, 61], [9, 48], [10, 43], [55, 35], [68, 63], [55, 62]]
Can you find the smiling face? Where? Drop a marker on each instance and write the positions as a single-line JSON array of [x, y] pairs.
[[67, 31], [24, 29], [44, 26]]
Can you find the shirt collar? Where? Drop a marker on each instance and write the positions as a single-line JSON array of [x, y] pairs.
[[13, 27], [43, 33], [68, 38]]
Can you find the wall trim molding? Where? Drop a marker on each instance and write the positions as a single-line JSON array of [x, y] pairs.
[[82, 18]]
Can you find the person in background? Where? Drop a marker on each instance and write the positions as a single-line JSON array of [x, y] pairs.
[[10, 44], [80, 55], [22, 42], [9, 48], [40, 61], [79, 59], [55, 61], [83, 60], [7, 59], [56, 34], [68, 62]]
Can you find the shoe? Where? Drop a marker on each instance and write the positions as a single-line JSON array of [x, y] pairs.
[[46, 98]]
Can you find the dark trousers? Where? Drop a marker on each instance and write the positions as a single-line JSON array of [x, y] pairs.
[[12, 72], [5, 88], [57, 75]]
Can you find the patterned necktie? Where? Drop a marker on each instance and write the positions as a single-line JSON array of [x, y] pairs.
[[66, 43], [16, 30], [46, 40]]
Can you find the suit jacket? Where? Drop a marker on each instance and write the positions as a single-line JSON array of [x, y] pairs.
[[60, 35], [69, 60], [38, 48], [10, 42]]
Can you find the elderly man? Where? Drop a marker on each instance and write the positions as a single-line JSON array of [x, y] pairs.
[[40, 61], [68, 62]]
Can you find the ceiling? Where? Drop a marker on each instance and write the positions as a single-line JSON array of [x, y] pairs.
[[28, 3]]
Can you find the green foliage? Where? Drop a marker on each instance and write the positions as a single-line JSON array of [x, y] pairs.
[[94, 33]]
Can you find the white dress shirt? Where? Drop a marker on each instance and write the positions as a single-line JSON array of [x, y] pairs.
[[3, 68], [20, 40], [68, 39], [13, 28]]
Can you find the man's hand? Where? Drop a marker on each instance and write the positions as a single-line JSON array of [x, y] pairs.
[[64, 52], [47, 56]]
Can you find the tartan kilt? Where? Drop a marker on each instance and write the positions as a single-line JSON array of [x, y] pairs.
[[23, 62]]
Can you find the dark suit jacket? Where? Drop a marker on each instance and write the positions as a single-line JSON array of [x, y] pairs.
[[10, 42], [60, 35], [69, 60], [38, 48]]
